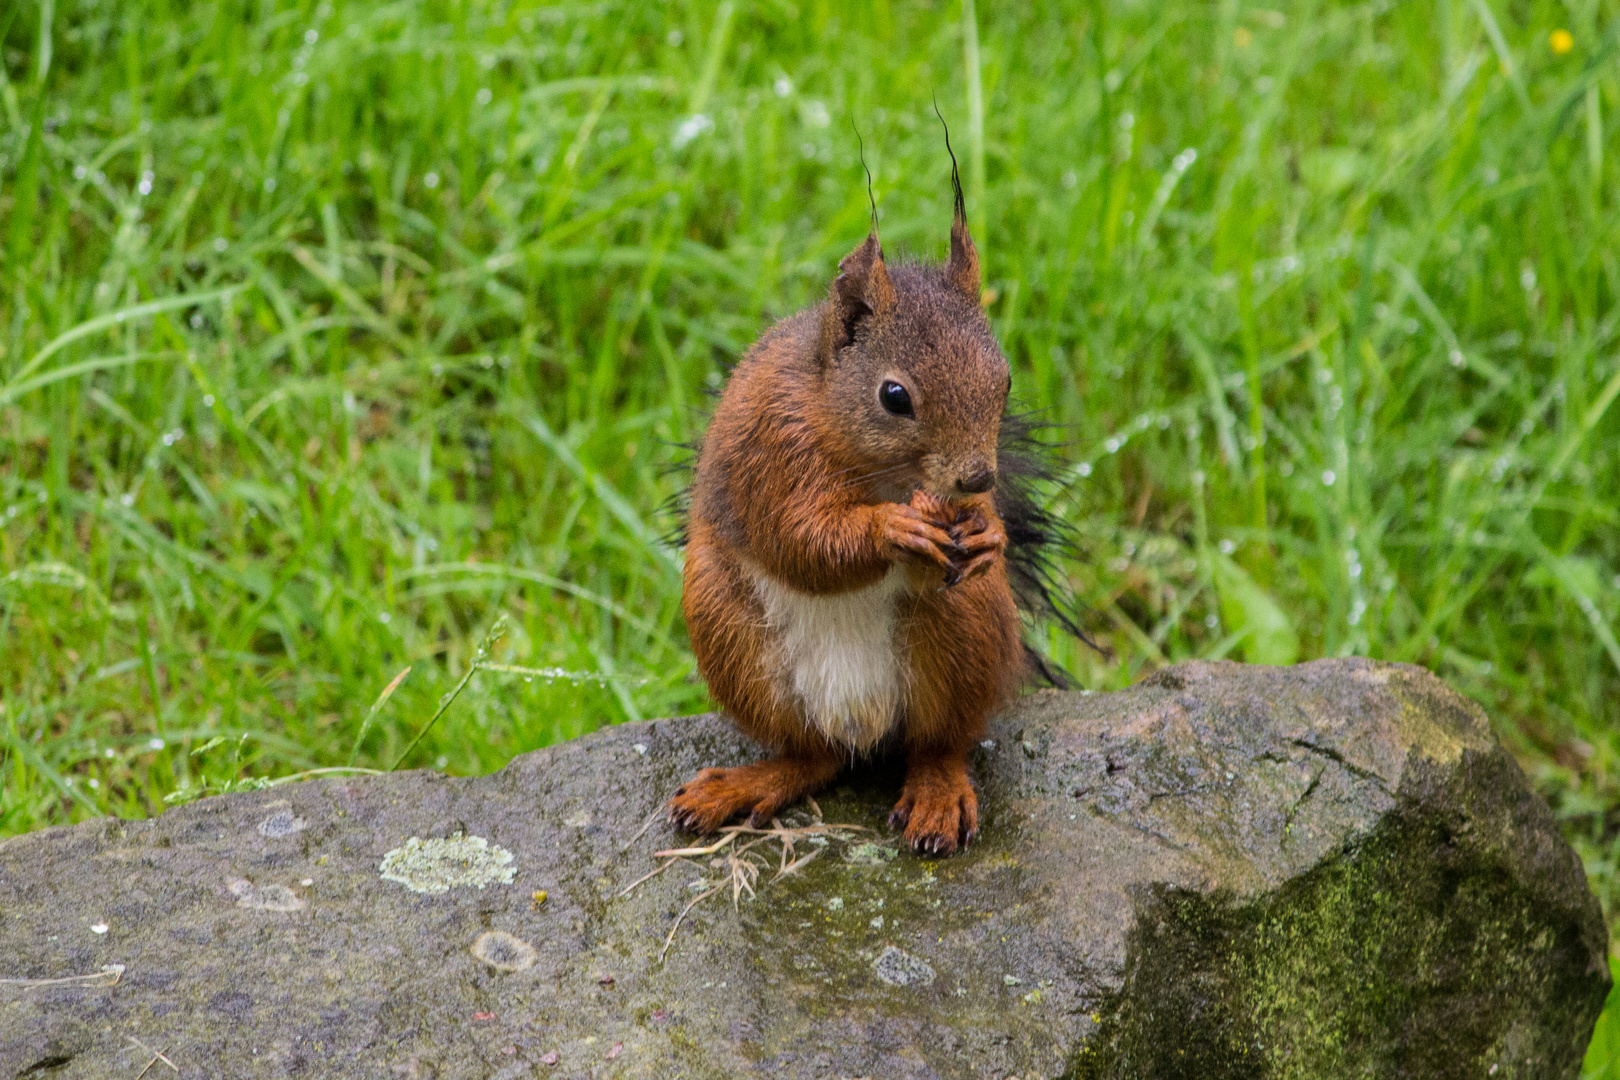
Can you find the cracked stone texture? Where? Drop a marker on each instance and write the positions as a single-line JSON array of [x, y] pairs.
[[1225, 871]]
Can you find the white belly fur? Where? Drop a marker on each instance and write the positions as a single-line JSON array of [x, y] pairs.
[[838, 657]]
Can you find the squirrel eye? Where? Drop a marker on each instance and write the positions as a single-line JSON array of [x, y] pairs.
[[895, 398]]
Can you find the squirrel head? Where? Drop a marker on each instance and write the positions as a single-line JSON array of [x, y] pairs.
[[913, 379]]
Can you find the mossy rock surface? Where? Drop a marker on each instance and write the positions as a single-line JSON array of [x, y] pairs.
[[1227, 871]]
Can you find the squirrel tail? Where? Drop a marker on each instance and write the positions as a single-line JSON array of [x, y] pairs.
[[1045, 673], [1036, 538]]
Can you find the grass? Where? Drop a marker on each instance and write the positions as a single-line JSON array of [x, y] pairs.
[[331, 334]]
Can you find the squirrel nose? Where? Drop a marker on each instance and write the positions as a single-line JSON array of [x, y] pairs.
[[981, 479]]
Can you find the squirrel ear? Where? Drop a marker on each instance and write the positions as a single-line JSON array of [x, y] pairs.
[[861, 290], [963, 269]]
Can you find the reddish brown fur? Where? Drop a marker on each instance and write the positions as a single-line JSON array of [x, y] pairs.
[[804, 477]]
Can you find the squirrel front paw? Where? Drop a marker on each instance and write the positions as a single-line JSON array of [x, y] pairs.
[[981, 542], [976, 540], [960, 540], [913, 532]]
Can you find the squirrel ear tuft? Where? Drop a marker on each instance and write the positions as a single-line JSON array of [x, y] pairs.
[[861, 290], [963, 269]]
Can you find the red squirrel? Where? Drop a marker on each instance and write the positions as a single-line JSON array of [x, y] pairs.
[[847, 581]]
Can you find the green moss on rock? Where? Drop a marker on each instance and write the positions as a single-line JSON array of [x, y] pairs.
[[1424, 951]]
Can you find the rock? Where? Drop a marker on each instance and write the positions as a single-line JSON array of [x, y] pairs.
[[1326, 870]]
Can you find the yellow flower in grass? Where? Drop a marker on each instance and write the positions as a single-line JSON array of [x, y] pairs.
[[1561, 41]]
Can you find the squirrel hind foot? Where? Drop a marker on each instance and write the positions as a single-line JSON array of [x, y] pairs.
[[715, 796], [938, 817]]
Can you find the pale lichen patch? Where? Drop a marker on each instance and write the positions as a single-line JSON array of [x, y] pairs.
[[899, 968], [282, 823], [503, 951], [870, 854], [439, 865], [265, 897]]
